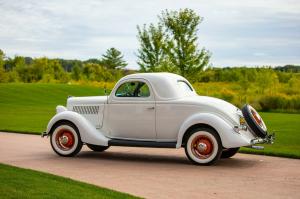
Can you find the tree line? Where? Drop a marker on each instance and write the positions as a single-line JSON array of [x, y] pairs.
[[110, 67], [265, 88]]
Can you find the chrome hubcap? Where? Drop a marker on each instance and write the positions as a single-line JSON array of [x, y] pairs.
[[202, 146], [63, 139]]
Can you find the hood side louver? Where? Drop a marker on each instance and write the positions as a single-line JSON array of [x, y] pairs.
[[86, 109]]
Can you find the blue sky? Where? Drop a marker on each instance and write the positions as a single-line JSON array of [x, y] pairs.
[[235, 32]]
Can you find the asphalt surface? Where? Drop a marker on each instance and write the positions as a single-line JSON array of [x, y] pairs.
[[159, 173]]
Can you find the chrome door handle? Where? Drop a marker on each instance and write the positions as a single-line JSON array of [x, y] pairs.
[[150, 108]]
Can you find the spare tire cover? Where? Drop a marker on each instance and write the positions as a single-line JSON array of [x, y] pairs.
[[254, 121]]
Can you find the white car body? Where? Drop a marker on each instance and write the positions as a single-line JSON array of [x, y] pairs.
[[163, 118]]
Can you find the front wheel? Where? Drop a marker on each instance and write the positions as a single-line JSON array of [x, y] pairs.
[[227, 153], [97, 148], [203, 146], [65, 139]]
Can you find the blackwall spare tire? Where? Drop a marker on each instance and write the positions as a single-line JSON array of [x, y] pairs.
[[254, 121]]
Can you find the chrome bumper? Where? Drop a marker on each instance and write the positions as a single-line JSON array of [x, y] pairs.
[[269, 139]]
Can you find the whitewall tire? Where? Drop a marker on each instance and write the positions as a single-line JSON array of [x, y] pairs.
[[203, 146], [65, 139]]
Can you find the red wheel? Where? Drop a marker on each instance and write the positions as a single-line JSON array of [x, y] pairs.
[[65, 139], [203, 146]]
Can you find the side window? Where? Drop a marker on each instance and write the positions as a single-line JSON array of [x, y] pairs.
[[133, 89]]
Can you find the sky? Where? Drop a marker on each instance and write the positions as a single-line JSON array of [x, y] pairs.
[[236, 32]]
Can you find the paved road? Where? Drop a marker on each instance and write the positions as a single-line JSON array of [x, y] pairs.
[[159, 173]]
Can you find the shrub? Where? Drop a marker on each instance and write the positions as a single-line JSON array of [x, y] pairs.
[[280, 102]]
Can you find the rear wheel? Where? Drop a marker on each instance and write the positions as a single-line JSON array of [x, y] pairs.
[[227, 153], [97, 148], [203, 146], [65, 139]]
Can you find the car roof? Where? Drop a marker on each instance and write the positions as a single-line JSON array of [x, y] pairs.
[[165, 85]]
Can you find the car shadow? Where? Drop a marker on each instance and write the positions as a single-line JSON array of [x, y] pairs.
[[123, 157], [133, 157]]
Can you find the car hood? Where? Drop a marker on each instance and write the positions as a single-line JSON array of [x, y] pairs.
[[94, 100], [214, 105]]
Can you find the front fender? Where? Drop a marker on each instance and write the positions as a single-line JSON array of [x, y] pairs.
[[88, 133], [229, 138]]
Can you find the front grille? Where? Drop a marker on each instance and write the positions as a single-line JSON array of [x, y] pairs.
[[86, 109]]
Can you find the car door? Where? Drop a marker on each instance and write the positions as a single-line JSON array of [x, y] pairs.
[[131, 111]]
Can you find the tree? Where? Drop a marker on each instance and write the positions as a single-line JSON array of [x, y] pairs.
[[267, 80], [76, 72], [113, 59], [2, 55], [182, 47], [96, 72], [3, 75], [173, 42], [151, 54]]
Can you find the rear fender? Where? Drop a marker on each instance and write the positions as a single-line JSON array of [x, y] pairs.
[[229, 137], [88, 133]]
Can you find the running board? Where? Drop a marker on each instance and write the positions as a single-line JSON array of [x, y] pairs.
[[134, 143]]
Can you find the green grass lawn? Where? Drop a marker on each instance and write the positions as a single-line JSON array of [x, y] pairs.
[[287, 131], [29, 107], [24, 183]]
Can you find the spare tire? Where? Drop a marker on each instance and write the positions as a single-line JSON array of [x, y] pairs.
[[254, 121]]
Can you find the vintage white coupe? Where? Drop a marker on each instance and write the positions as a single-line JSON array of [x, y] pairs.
[[156, 110]]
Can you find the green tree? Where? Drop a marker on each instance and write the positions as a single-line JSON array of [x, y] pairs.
[[267, 80], [58, 73], [151, 54], [39, 67], [96, 72], [76, 72], [182, 48], [113, 59], [173, 43], [3, 75], [17, 64], [2, 55]]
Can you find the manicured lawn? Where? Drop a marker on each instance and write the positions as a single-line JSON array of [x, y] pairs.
[[287, 130], [24, 183], [28, 108]]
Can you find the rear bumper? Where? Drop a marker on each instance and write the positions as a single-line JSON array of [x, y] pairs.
[[269, 139]]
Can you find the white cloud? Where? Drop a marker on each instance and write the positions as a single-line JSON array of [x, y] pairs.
[[232, 30]]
